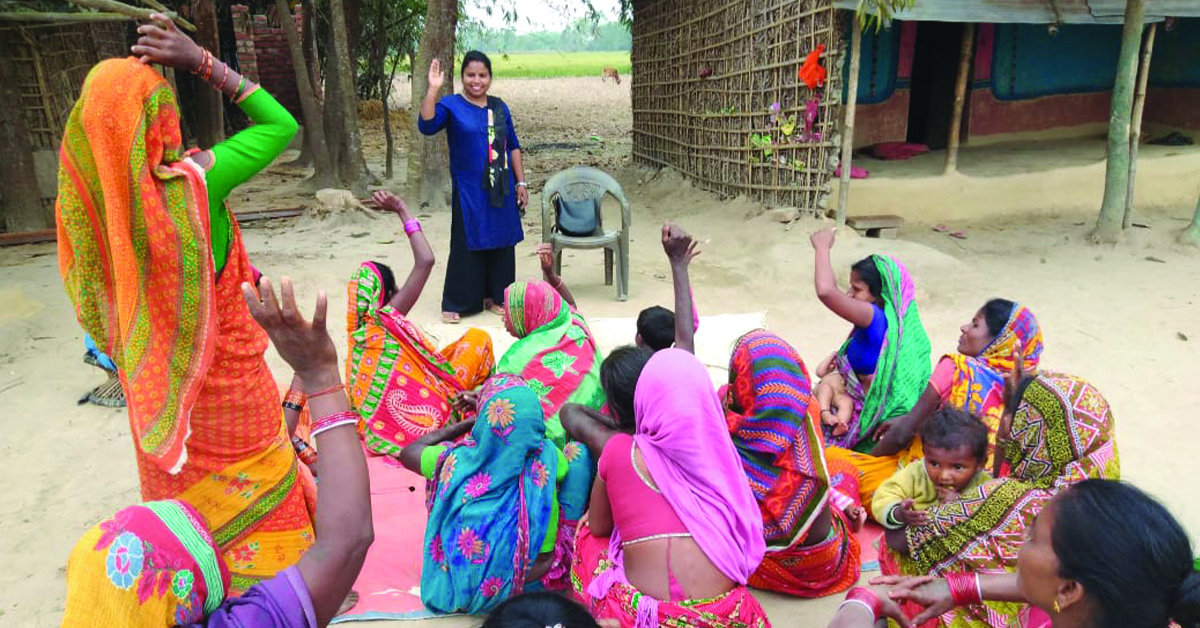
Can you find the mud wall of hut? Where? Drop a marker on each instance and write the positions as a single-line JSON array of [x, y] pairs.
[[718, 97]]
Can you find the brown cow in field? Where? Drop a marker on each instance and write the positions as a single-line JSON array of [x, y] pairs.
[[610, 73]]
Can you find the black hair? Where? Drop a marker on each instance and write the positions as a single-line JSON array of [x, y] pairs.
[[951, 429], [389, 280], [475, 55], [539, 610], [1131, 556], [869, 273], [996, 314], [656, 326], [619, 375]]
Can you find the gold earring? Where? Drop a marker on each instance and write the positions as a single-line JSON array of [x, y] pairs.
[[1057, 607]]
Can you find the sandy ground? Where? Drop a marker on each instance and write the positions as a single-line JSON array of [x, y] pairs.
[[1125, 317]]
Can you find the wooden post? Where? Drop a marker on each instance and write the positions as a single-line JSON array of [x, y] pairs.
[[1116, 175], [1135, 132], [960, 96], [848, 126]]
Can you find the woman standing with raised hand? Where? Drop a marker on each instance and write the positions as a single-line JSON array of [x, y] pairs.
[[489, 189]]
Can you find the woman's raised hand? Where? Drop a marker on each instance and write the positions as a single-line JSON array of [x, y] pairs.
[[305, 346], [679, 246], [436, 78], [160, 42], [928, 591], [822, 239], [392, 203]]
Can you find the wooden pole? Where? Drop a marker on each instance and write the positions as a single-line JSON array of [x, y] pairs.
[[1135, 132], [136, 13], [1116, 174], [960, 97], [161, 8], [63, 17], [848, 126]]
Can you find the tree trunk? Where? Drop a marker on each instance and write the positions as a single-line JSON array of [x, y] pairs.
[[1191, 235], [341, 108], [848, 126], [1116, 178], [429, 157], [960, 97], [210, 114], [1135, 133], [314, 126], [21, 209], [386, 90]]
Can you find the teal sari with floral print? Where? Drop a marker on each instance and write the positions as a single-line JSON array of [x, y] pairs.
[[491, 500], [554, 352]]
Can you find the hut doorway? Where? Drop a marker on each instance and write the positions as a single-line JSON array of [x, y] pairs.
[[934, 73]]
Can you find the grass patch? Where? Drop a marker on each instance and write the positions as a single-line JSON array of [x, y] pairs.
[[556, 64]]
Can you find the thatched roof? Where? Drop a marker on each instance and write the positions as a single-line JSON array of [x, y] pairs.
[[1035, 11]]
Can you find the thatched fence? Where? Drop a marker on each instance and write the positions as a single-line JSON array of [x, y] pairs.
[[717, 97], [707, 78]]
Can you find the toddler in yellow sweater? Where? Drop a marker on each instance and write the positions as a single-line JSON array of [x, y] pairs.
[[955, 445]]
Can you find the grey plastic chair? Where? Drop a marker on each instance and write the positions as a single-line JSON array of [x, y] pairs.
[[582, 183]]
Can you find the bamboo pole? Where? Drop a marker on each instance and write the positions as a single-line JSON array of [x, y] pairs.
[[136, 13], [960, 97], [848, 126], [1135, 132], [32, 16], [161, 8]]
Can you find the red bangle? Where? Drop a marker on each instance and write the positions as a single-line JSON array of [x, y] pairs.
[[866, 597], [307, 454], [336, 419], [964, 588], [411, 226], [327, 391], [296, 397]]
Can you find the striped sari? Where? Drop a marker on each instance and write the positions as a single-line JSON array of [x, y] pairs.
[[398, 381], [773, 420], [134, 253], [1063, 432]]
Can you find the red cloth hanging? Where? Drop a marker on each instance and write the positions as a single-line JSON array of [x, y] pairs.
[[811, 72]]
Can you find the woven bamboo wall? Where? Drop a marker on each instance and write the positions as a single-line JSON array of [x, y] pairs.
[[713, 128], [52, 60]]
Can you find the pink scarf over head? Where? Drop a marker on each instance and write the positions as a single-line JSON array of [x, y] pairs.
[[686, 446]]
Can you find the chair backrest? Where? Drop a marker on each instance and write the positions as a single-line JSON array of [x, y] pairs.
[[579, 184]]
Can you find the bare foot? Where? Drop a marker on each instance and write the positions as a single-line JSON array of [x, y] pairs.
[[451, 318], [349, 603]]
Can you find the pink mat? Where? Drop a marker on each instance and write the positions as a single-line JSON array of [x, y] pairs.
[[389, 586]]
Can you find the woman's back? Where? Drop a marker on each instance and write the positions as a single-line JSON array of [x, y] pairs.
[[661, 558]]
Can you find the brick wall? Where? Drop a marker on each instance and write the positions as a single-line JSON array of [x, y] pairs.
[[264, 57]]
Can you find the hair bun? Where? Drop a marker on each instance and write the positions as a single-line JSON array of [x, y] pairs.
[[1186, 611]]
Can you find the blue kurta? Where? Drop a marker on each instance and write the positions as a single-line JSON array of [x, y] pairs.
[[487, 227]]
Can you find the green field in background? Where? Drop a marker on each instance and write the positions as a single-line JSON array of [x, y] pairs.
[[555, 64]]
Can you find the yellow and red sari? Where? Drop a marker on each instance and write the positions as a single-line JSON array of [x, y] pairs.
[[398, 381], [135, 256]]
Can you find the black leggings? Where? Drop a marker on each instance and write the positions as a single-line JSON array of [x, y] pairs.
[[473, 276]]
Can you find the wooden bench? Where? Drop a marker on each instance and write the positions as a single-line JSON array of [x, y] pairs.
[[882, 226]]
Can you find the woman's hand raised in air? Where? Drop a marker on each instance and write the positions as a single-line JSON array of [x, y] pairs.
[[305, 346], [678, 245], [390, 202], [822, 239], [160, 42], [436, 78]]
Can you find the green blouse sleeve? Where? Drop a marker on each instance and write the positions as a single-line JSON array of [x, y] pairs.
[[242, 156]]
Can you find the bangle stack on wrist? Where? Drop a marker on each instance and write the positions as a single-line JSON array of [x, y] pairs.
[[964, 589], [866, 598], [411, 226], [294, 400], [336, 419]]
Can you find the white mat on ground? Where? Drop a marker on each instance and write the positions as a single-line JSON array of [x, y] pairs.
[[714, 341]]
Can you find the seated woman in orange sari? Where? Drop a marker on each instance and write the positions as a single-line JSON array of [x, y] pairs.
[[402, 385], [153, 262], [970, 379]]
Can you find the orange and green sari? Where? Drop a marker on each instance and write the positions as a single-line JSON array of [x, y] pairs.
[[135, 256], [398, 381]]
